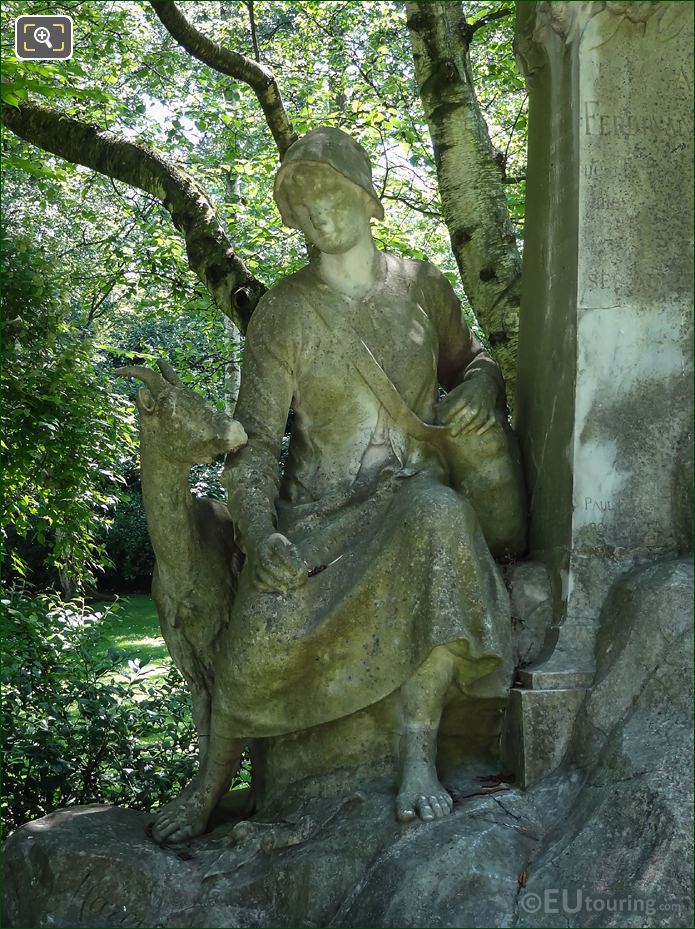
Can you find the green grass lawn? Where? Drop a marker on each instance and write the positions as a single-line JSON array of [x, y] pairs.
[[133, 629]]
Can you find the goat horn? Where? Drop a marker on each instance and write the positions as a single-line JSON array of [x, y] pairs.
[[154, 381], [168, 372]]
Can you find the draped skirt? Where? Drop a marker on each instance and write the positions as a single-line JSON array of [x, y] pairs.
[[410, 571]]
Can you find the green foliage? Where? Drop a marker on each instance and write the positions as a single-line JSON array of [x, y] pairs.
[[110, 282], [74, 730], [66, 437], [501, 91], [128, 545], [205, 481], [131, 627], [99, 277], [343, 63]]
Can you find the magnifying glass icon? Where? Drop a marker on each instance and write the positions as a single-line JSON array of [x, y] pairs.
[[42, 35]]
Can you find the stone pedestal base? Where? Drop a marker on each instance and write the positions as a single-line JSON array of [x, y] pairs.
[[538, 731], [469, 732], [328, 862]]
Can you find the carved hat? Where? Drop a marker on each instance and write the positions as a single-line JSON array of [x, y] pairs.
[[332, 147]]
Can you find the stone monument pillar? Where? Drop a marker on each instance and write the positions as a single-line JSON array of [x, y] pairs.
[[604, 396]]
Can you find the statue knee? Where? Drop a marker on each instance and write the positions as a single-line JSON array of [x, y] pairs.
[[440, 507]]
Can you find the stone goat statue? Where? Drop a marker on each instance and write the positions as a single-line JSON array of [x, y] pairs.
[[197, 561]]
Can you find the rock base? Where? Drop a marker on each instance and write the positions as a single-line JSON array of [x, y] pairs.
[[501, 859], [345, 863], [607, 844]]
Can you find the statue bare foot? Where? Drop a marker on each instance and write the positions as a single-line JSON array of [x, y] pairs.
[[420, 793], [185, 817]]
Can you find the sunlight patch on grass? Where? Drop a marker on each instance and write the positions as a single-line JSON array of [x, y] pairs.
[[130, 634], [154, 648], [133, 629]]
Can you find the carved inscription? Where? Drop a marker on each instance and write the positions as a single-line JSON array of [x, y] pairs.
[[598, 506], [603, 201], [602, 280], [595, 121], [598, 509], [593, 169], [633, 168]]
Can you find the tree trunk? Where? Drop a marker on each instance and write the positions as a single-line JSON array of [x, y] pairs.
[[232, 191], [470, 176]]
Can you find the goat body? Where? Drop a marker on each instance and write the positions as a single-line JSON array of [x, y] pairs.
[[197, 562]]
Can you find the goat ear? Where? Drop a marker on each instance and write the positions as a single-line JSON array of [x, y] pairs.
[[146, 401]]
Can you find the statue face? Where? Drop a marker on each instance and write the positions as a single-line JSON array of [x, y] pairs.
[[332, 212]]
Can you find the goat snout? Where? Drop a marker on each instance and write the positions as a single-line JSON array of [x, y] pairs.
[[232, 435]]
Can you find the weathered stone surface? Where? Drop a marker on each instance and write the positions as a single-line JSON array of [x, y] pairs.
[[352, 866], [607, 293], [646, 633], [606, 430], [368, 577], [326, 864], [614, 841], [532, 614], [629, 835], [469, 731], [538, 731], [197, 561]]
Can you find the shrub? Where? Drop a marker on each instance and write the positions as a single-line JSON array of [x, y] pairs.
[[75, 730], [67, 435], [128, 545]]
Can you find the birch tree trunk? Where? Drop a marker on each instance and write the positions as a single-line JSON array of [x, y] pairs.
[[232, 190], [470, 176]]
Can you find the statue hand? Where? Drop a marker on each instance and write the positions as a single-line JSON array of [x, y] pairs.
[[277, 565], [470, 407]]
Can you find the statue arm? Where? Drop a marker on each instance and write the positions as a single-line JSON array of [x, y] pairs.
[[461, 355], [252, 475]]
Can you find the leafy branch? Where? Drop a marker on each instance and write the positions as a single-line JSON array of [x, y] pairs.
[[233, 287], [259, 77]]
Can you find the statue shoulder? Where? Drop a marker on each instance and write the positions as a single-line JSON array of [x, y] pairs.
[[433, 288], [421, 274], [281, 304], [431, 278]]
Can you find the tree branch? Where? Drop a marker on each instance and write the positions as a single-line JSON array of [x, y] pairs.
[[210, 255], [435, 214], [469, 29], [259, 78], [254, 36], [511, 133]]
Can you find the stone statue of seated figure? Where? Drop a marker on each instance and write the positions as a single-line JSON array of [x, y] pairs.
[[407, 598]]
